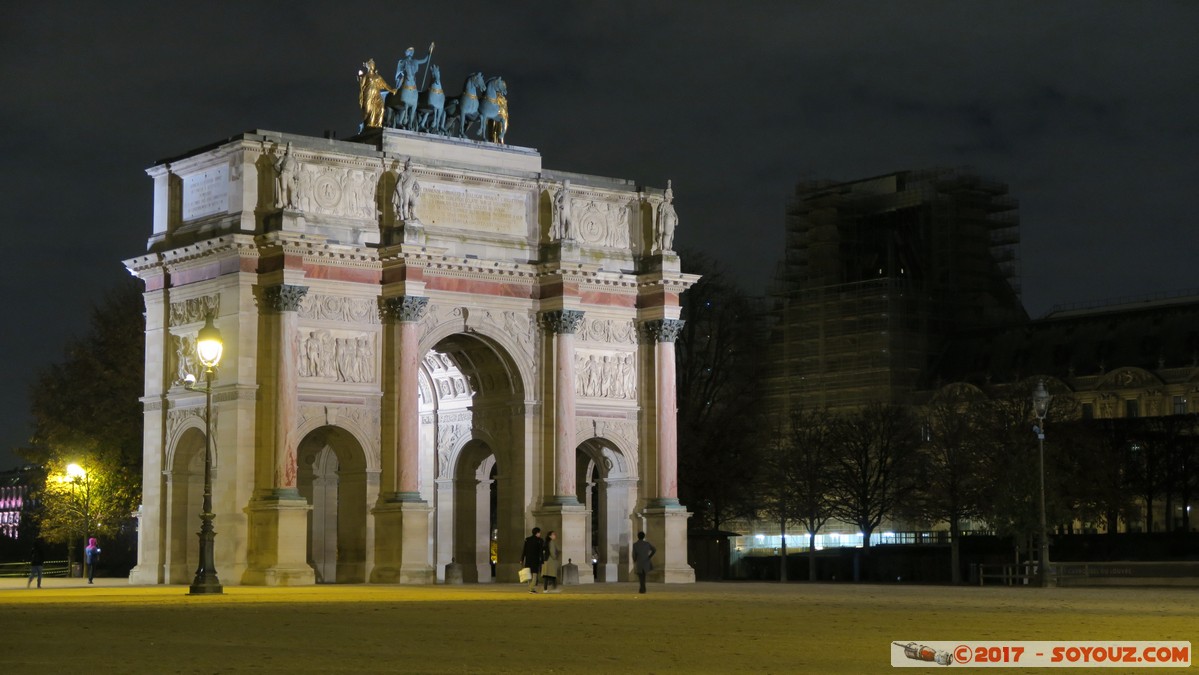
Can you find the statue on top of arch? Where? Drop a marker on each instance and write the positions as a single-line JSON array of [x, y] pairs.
[[415, 104]]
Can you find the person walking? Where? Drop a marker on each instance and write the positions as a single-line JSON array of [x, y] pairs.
[[532, 555], [553, 562], [91, 556], [36, 561], [643, 551]]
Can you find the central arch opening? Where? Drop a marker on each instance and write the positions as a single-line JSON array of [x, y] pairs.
[[473, 429]]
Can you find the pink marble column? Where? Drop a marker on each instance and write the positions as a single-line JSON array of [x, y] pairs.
[[664, 332], [563, 324], [407, 311], [285, 301]]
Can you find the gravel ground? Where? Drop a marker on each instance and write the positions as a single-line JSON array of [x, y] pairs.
[[68, 627]]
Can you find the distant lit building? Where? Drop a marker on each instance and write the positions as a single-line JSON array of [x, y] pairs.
[[14, 501], [1132, 360]]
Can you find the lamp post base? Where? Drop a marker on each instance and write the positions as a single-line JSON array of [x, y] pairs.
[[206, 584], [206, 581]]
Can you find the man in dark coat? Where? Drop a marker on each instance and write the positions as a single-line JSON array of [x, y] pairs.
[[36, 561], [532, 556], [642, 552]]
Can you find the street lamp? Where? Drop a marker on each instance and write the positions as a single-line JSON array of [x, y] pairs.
[[1040, 406], [77, 475], [208, 350]]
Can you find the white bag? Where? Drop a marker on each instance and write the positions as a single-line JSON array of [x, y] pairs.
[[525, 574]]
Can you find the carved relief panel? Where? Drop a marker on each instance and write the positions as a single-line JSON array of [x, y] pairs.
[[605, 374], [194, 310], [337, 356], [337, 191], [182, 346], [602, 223]]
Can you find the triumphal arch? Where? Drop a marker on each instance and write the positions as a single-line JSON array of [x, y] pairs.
[[432, 345]]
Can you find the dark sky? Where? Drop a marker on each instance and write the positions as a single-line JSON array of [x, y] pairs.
[[1089, 110]]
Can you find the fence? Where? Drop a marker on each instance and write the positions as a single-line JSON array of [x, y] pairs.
[[51, 568], [1024, 574]]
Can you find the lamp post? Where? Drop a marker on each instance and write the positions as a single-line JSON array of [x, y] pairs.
[[78, 475], [1040, 405], [208, 350]]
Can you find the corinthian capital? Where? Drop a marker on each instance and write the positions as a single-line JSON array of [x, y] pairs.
[[662, 330], [561, 320], [284, 298], [405, 308]]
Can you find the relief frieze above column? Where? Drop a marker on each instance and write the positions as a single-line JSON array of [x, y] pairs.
[[608, 330], [320, 307], [194, 310]]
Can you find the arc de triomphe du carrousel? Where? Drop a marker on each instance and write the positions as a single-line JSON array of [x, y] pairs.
[[431, 345]]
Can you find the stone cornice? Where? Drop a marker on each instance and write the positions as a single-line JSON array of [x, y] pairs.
[[483, 270], [201, 251], [408, 255], [609, 282], [675, 282], [143, 263], [319, 252]]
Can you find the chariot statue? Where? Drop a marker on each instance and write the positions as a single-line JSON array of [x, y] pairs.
[[481, 108]]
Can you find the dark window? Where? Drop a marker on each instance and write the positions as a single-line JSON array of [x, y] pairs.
[[1180, 405], [1132, 408], [1088, 411]]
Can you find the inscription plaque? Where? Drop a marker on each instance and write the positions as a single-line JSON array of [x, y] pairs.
[[206, 192], [475, 209]]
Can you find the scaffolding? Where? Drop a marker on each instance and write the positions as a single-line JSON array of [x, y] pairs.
[[879, 273]]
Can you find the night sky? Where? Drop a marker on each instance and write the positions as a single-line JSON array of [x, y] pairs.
[[1088, 110]]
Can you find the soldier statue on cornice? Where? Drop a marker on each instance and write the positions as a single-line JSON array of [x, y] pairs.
[[668, 220]]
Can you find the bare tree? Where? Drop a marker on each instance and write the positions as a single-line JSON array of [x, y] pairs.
[[775, 492], [719, 366], [875, 466], [951, 479], [812, 455]]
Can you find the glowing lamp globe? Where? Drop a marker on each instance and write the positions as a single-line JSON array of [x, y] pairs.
[[209, 345]]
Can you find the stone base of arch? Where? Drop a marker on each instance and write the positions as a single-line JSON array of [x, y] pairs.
[[278, 531], [402, 543], [666, 529], [570, 522]]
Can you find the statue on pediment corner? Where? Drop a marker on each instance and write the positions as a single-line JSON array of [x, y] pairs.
[[287, 182], [407, 194], [561, 226], [668, 220]]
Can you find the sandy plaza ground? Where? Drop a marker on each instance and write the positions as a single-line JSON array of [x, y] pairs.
[[112, 627]]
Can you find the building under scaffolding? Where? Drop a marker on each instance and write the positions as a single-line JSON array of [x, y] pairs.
[[879, 274]]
